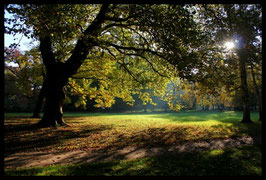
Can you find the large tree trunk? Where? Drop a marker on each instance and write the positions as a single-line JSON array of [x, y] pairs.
[[53, 108], [244, 87], [54, 97]]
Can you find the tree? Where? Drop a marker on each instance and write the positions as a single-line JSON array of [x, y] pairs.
[[242, 24], [26, 72], [255, 63], [247, 29], [130, 38]]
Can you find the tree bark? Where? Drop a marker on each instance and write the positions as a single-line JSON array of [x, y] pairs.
[[53, 108], [244, 87], [257, 92], [39, 103], [55, 95]]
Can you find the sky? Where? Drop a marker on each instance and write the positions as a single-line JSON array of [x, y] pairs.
[[24, 42]]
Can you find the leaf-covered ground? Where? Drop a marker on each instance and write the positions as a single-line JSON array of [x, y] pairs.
[[92, 132], [101, 132]]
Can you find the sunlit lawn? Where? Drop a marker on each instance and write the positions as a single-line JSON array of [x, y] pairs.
[[103, 131]]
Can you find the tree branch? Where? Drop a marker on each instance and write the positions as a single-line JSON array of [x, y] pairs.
[[12, 71], [73, 77], [46, 51], [134, 49], [213, 13], [109, 51], [153, 68], [85, 44], [129, 72], [94, 27], [119, 48], [118, 25], [108, 18]]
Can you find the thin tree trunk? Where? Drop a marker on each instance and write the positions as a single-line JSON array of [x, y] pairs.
[[29, 104], [145, 109], [244, 87], [257, 92], [39, 103]]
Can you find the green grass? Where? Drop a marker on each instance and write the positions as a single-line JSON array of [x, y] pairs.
[[103, 131], [230, 162]]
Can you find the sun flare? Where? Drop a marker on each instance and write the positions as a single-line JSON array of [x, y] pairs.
[[229, 45]]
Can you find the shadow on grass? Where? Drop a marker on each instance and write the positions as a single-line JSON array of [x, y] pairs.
[[21, 135], [28, 137], [237, 161], [23, 138]]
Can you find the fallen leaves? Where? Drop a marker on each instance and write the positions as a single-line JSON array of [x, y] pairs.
[[94, 133]]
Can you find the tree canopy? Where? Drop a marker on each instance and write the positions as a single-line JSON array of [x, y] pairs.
[[113, 51]]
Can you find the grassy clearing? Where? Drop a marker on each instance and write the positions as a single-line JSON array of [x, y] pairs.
[[100, 131], [230, 162]]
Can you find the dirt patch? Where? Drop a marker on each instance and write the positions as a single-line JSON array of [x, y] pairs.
[[33, 159]]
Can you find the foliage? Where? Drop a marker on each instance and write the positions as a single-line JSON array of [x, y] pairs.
[[175, 52], [125, 42], [23, 75], [102, 79], [216, 77], [240, 23]]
